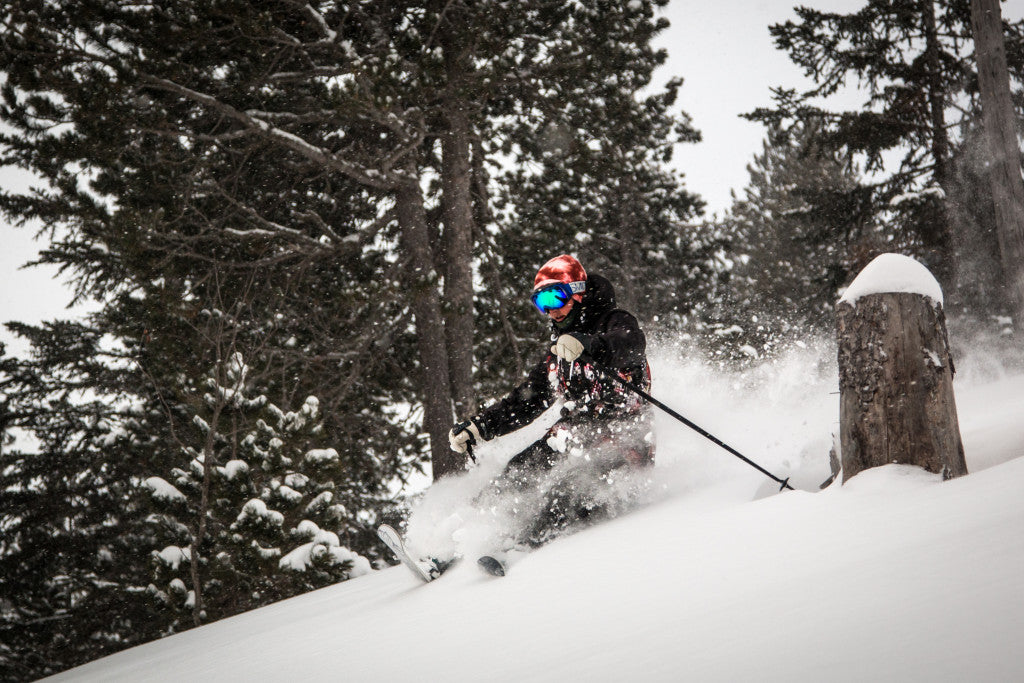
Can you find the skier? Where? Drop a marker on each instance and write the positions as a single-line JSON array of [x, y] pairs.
[[603, 427]]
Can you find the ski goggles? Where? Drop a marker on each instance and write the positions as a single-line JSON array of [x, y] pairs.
[[554, 296]]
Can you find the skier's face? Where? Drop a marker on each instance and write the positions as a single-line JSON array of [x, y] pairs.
[[560, 314]]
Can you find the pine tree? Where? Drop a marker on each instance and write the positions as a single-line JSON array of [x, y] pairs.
[[220, 140], [797, 234], [166, 225], [360, 100], [609, 197], [591, 178], [290, 181], [1000, 126], [272, 509], [73, 532], [913, 60]]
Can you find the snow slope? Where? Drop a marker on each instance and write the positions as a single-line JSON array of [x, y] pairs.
[[894, 576]]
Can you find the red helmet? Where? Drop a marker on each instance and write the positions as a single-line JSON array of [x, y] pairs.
[[564, 269]]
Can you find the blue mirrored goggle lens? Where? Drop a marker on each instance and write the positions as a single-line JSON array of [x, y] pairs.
[[551, 298]]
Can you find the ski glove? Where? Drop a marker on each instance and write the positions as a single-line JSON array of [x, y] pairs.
[[464, 435], [569, 347]]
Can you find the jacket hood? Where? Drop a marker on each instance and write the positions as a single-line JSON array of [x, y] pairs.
[[598, 299]]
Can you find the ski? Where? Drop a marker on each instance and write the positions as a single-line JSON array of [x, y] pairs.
[[393, 541], [491, 565]]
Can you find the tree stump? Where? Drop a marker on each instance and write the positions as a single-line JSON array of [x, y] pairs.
[[896, 381]]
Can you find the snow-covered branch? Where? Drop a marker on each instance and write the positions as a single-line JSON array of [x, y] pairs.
[[269, 229], [368, 177], [321, 23]]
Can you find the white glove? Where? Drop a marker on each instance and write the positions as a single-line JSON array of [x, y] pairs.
[[464, 435], [568, 347]]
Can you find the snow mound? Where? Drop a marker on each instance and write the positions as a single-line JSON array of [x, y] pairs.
[[895, 575]]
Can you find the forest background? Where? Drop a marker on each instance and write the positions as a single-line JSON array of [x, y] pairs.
[[303, 233]]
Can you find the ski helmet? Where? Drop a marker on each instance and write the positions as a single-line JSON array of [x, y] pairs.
[[564, 269]]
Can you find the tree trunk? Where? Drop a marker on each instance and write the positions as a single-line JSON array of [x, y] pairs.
[[936, 233], [1000, 130], [457, 207], [896, 386], [426, 307], [456, 181]]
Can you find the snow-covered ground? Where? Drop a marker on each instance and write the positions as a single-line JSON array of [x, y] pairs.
[[895, 576]]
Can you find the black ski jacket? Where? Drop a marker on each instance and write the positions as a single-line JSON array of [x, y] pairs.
[[615, 341]]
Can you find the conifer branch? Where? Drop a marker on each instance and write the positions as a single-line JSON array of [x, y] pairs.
[[369, 177]]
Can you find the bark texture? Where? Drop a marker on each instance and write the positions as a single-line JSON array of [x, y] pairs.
[[456, 180], [430, 336], [936, 232], [457, 204], [1001, 132], [896, 386]]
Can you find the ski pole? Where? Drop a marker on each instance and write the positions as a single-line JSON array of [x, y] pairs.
[[707, 435]]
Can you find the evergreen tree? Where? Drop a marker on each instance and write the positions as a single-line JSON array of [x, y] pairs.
[[270, 508], [162, 226], [258, 178], [608, 196], [72, 584], [913, 58], [980, 291], [799, 232], [359, 99], [591, 178], [196, 118], [1001, 125]]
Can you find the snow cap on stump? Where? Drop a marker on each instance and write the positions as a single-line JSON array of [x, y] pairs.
[[889, 273], [565, 269]]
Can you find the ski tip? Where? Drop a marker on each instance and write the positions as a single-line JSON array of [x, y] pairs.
[[426, 570], [491, 565], [390, 537]]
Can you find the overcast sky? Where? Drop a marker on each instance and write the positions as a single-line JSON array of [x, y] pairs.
[[721, 49], [725, 55]]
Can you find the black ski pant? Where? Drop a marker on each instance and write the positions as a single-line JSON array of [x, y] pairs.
[[566, 488]]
